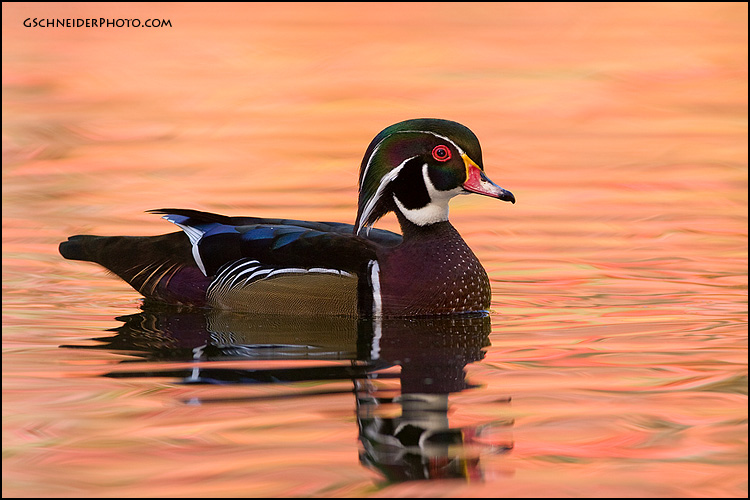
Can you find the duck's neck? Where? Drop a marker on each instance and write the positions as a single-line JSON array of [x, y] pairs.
[[412, 231]]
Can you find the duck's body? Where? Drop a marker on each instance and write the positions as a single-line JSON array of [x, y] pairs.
[[288, 266]]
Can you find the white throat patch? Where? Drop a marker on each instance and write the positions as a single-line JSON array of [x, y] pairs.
[[436, 210]]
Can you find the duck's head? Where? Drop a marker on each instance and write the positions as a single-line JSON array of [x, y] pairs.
[[416, 166]]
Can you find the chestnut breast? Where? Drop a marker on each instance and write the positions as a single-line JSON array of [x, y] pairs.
[[433, 272]]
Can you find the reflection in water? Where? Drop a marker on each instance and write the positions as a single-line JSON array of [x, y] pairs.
[[620, 282], [416, 442]]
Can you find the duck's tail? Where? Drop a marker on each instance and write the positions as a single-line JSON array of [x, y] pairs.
[[159, 267]]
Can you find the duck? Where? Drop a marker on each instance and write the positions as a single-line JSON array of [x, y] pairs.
[[285, 266]]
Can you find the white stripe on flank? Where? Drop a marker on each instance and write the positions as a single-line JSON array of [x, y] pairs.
[[377, 300], [242, 270], [285, 270], [244, 273], [247, 280], [227, 278], [330, 271], [320, 270]]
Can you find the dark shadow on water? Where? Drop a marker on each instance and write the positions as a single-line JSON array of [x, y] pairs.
[[411, 365]]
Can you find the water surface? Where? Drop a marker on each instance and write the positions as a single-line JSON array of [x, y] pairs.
[[614, 362]]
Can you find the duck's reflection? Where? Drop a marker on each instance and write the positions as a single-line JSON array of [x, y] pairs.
[[404, 429]]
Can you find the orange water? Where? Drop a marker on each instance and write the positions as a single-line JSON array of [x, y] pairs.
[[614, 363]]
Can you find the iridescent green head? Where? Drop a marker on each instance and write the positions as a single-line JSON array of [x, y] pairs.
[[416, 166]]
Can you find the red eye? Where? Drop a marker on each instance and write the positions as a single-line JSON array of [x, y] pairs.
[[441, 153]]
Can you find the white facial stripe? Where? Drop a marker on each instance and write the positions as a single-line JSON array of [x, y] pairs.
[[460, 151], [436, 210], [387, 178], [377, 147]]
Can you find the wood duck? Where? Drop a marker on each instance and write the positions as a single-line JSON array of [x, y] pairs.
[[250, 264]]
